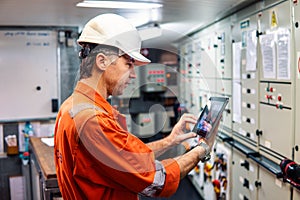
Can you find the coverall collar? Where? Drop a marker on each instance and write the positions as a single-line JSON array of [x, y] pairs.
[[94, 96]]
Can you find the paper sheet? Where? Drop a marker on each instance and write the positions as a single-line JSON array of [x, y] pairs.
[[48, 141], [268, 55], [16, 185], [237, 102], [251, 56], [283, 55], [11, 140], [236, 58]]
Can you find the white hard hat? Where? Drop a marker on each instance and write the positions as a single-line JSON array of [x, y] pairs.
[[116, 31]]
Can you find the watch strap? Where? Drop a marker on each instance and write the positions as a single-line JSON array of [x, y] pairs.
[[207, 151]]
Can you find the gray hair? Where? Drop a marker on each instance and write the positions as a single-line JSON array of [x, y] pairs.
[[88, 54]]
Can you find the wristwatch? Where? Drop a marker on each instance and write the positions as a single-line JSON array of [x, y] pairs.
[[207, 151]]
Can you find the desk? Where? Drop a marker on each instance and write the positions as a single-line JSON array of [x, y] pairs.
[[42, 160]]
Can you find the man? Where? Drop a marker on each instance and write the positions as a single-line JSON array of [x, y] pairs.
[[95, 156]]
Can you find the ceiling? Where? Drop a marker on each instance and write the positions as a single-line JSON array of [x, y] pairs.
[[176, 18]]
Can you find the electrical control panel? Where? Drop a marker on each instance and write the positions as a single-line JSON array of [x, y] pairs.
[[276, 93], [252, 57], [296, 73], [244, 178], [245, 84], [172, 80], [153, 77], [270, 187], [144, 125]]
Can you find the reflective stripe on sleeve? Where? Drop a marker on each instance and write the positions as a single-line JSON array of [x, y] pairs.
[[158, 182]]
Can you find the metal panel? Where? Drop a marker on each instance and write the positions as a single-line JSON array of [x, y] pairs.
[[224, 41], [27, 183], [36, 185], [296, 72], [243, 32], [9, 166], [153, 77], [249, 79], [197, 57], [208, 66], [275, 17], [272, 188], [276, 129], [277, 94], [182, 71], [271, 21], [144, 126], [296, 194], [244, 175], [208, 84], [276, 123], [224, 86]]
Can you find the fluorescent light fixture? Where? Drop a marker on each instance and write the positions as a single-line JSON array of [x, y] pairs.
[[119, 4]]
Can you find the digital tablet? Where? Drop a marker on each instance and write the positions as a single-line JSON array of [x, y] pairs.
[[211, 114]]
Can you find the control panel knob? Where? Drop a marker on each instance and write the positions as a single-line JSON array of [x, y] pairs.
[[279, 97]]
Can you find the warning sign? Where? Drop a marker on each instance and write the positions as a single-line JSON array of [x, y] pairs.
[[274, 20]]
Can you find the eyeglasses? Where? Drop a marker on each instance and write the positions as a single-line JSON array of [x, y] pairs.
[[128, 58]]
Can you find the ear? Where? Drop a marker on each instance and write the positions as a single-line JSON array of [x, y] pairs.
[[102, 61]]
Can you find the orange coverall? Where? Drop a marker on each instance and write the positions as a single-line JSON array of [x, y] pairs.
[[97, 158]]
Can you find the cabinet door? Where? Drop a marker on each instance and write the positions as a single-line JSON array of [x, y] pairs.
[[10, 166], [272, 188]]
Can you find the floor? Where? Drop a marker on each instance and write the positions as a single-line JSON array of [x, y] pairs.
[[186, 190]]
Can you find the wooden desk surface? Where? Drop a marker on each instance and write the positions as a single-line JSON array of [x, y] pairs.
[[45, 157]]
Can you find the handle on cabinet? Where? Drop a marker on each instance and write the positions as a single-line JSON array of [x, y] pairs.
[[246, 183], [257, 184], [259, 132], [245, 164]]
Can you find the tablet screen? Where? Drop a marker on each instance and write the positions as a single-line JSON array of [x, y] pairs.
[[210, 116]]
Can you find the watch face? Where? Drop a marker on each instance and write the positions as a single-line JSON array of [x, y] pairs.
[[206, 158]]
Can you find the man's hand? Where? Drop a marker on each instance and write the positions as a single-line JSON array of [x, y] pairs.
[[178, 133]]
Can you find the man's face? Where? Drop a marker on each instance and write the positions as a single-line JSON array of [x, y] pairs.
[[119, 75]]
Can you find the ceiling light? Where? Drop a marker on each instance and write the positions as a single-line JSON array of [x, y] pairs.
[[119, 4]]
